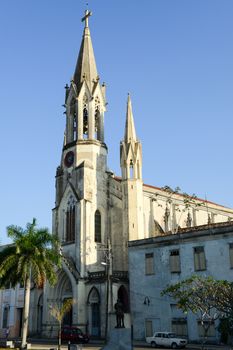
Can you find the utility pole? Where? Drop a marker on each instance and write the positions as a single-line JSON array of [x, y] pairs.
[[108, 266]]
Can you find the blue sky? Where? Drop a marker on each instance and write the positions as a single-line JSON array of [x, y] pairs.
[[175, 57]]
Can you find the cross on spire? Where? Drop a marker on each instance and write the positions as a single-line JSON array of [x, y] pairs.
[[85, 18]]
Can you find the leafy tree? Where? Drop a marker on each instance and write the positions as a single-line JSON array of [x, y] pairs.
[[58, 311], [210, 298], [33, 257]]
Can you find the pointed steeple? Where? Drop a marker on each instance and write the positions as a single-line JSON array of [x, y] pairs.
[[86, 65], [132, 184], [130, 133], [130, 149], [85, 98]]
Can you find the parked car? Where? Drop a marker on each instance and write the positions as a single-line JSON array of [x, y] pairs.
[[166, 339], [74, 335]]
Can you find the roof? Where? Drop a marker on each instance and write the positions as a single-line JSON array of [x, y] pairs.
[[186, 234], [118, 178]]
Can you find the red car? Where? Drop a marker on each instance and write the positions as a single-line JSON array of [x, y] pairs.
[[74, 335]]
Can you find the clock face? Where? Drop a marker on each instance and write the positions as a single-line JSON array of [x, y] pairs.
[[69, 159]]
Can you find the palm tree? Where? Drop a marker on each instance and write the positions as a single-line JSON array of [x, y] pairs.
[[58, 311], [33, 257]]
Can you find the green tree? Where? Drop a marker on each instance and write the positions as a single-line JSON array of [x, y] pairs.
[[58, 311], [209, 298], [33, 257]]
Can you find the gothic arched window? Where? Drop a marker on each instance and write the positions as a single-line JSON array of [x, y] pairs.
[[73, 116], [85, 121], [70, 220], [97, 226], [131, 169]]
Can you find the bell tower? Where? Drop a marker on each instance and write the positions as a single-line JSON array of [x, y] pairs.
[[85, 105], [81, 208], [131, 168]]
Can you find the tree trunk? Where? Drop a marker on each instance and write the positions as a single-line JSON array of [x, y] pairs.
[[25, 313], [59, 336]]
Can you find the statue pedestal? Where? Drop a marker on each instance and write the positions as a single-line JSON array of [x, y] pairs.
[[119, 339]]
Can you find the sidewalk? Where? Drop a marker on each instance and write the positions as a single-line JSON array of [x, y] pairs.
[[46, 344], [190, 346]]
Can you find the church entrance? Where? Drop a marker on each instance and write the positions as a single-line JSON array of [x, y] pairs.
[[58, 295], [94, 312], [68, 319]]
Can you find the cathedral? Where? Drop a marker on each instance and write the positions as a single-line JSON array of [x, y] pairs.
[[97, 213]]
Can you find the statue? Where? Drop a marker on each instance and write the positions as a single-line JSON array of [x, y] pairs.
[[119, 314]]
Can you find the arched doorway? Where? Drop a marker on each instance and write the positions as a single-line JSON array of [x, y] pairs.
[[66, 293], [68, 318], [94, 312], [122, 295], [61, 292]]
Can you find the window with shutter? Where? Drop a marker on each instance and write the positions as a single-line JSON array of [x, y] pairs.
[[179, 327], [209, 326], [199, 259], [174, 260], [149, 264], [149, 328]]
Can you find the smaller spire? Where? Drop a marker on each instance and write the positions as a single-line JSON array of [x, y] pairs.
[[130, 133]]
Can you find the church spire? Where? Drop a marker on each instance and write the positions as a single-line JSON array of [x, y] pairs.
[[86, 65], [130, 133], [132, 185], [85, 98], [130, 149]]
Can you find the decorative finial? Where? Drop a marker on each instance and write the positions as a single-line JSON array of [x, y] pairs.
[[85, 18]]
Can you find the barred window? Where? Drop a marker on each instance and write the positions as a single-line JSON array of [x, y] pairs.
[[70, 220], [174, 260], [199, 259], [149, 263]]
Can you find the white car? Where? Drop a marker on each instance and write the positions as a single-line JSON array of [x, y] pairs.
[[166, 339]]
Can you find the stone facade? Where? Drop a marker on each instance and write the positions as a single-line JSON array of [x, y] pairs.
[[204, 251], [97, 213]]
